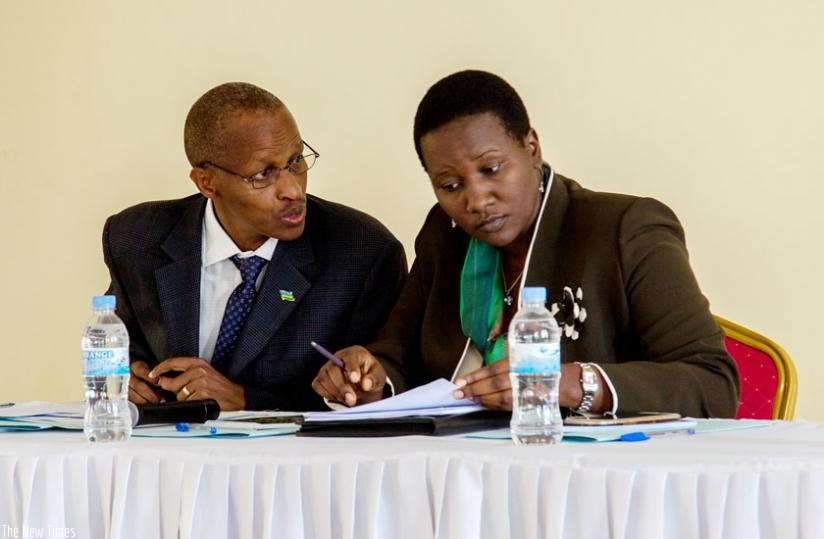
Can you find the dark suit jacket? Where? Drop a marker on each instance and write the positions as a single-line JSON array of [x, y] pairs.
[[647, 325], [345, 273]]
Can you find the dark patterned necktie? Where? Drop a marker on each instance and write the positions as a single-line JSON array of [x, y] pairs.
[[237, 309]]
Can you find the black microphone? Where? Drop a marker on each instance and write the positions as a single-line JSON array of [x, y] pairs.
[[195, 411]]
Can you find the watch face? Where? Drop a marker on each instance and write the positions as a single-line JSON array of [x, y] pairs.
[[589, 380]]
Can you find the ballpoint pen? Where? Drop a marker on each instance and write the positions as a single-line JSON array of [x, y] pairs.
[[186, 427], [327, 354], [640, 436]]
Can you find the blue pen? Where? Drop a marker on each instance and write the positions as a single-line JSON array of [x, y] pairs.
[[327, 354], [186, 427], [642, 436], [6, 404], [633, 437]]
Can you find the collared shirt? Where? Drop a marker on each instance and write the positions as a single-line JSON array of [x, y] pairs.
[[219, 276]]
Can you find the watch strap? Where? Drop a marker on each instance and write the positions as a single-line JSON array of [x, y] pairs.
[[589, 385]]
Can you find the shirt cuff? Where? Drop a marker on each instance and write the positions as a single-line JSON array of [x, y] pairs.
[[610, 387]]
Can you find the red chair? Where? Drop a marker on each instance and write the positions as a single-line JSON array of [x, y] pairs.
[[769, 385]]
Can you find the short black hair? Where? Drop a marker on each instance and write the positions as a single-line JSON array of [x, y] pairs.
[[466, 93], [202, 133]]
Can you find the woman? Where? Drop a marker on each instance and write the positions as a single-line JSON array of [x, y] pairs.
[[637, 333]]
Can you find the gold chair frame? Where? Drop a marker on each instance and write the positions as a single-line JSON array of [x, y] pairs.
[[786, 390]]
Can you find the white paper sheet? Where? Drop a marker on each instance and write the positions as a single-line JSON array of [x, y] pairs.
[[434, 398]]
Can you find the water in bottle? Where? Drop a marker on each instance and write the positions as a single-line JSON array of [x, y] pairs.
[[535, 371], [105, 346]]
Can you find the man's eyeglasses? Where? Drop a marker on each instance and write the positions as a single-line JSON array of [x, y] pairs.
[[269, 175]]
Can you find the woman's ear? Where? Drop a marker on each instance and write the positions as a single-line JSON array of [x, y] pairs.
[[533, 146]]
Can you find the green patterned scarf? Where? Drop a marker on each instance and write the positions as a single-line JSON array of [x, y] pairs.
[[482, 300]]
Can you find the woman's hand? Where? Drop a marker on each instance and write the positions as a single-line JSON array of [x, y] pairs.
[[489, 386], [360, 380]]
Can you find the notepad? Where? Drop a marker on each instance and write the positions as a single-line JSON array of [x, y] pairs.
[[42, 415], [216, 428], [652, 430], [429, 409], [33, 416], [628, 432], [605, 433]]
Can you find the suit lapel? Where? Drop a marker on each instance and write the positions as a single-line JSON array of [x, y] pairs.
[[553, 262], [282, 289], [542, 269], [178, 283]]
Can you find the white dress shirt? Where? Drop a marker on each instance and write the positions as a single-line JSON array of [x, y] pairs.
[[219, 277]]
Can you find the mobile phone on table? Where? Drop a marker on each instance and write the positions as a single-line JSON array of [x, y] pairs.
[[632, 419]]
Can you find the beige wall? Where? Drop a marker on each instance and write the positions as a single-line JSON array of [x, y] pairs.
[[716, 108]]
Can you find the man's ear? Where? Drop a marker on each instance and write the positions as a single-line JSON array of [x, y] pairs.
[[204, 181], [533, 146]]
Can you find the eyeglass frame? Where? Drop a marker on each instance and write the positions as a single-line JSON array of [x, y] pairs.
[[251, 179]]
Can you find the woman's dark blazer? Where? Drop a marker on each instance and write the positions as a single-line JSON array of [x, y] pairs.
[[647, 323]]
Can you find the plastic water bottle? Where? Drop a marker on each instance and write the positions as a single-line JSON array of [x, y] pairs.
[[105, 345], [535, 371]]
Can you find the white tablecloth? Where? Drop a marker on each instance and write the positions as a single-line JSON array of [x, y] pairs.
[[766, 482]]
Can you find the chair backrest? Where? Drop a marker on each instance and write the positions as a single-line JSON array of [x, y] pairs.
[[769, 385]]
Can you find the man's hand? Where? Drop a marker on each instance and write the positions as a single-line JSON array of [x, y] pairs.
[[360, 380], [489, 386], [197, 379], [143, 389]]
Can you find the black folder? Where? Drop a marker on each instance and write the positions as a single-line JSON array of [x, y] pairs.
[[403, 426]]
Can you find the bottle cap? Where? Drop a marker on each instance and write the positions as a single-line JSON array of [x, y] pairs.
[[533, 294], [104, 302]]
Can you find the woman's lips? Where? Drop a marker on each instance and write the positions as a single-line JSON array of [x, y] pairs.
[[491, 224]]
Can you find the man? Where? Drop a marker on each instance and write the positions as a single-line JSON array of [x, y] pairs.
[[223, 291]]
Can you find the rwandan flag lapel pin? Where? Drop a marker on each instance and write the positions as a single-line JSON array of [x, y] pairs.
[[287, 295]]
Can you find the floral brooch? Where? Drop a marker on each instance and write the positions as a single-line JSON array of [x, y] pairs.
[[570, 312]]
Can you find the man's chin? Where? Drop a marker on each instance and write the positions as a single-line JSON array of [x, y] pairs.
[[291, 233]]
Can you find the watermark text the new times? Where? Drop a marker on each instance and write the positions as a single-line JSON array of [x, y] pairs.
[[36, 531]]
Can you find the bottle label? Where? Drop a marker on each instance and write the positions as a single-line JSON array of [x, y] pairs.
[[535, 358], [105, 361]]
